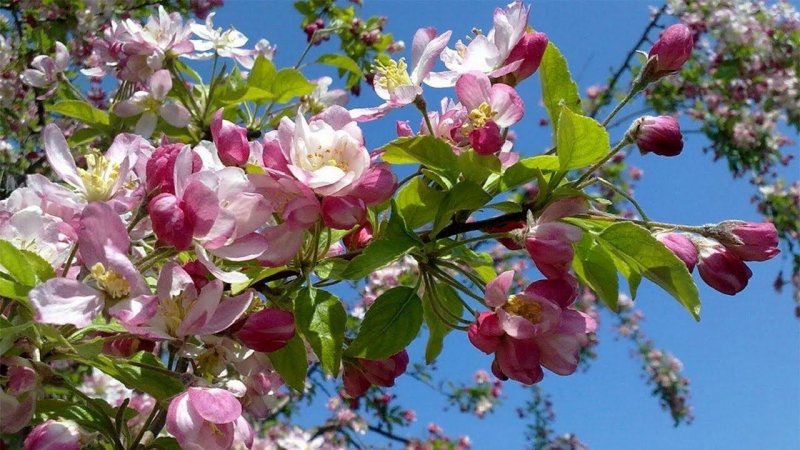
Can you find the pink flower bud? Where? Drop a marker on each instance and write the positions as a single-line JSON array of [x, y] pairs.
[[672, 49], [403, 128], [170, 223], [487, 139], [198, 272], [508, 242], [759, 241], [358, 238], [267, 330], [343, 213], [681, 246], [530, 49], [230, 140], [377, 185], [160, 169], [21, 378], [359, 374], [722, 270], [660, 135], [52, 435]]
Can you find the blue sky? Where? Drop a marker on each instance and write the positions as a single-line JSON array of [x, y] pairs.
[[743, 358]]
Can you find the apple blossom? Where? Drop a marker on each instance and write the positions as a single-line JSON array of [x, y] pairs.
[[720, 268], [267, 330], [549, 242], [205, 418], [46, 70], [54, 435], [490, 107], [754, 241], [660, 135], [226, 43], [681, 246], [152, 104], [670, 52], [359, 374], [230, 141]]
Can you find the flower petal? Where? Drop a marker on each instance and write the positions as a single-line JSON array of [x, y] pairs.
[[60, 301]]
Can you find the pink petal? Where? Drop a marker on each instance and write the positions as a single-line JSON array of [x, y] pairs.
[[215, 405], [226, 276], [423, 63], [201, 310], [175, 114], [285, 241], [61, 301], [59, 156], [135, 311], [245, 248], [473, 88], [160, 84], [201, 205], [508, 105], [228, 312], [497, 289], [567, 207]]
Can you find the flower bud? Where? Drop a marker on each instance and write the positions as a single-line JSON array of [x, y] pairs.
[[53, 435], [343, 213], [681, 246], [230, 140], [722, 270], [486, 140], [160, 168], [377, 185], [267, 330], [359, 374], [509, 242], [358, 238], [660, 135], [757, 241], [170, 223], [672, 49], [530, 50]]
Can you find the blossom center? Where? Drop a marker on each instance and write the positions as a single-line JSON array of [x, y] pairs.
[[480, 115], [394, 74], [173, 310], [519, 306], [99, 177], [327, 157], [110, 281]]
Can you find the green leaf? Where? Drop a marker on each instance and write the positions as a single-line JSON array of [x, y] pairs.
[[321, 318], [290, 83], [581, 140], [390, 324], [557, 85], [141, 371], [342, 62], [331, 268], [82, 111], [14, 263], [437, 329], [262, 76], [291, 362], [426, 150], [465, 195], [89, 419], [477, 168], [525, 170], [595, 268], [13, 290], [396, 241], [418, 202], [43, 270], [165, 443], [644, 254]]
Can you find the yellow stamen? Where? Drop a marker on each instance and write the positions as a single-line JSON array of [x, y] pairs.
[[327, 157], [394, 74], [99, 177], [114, 284], [518, 306], [480, 115], [173, 310]]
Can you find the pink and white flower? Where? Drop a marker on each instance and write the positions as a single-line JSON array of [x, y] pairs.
[[549, 241], [490, 108], [46, 70], [152, 104], [206, 418], [227, 43]]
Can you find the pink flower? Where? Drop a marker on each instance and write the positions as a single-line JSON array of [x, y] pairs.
[[160, 168], [681, 246], [103, 242], [152, 104], [267, 330], [721, 269], [207, 418], [757, 241], [225, 43], [230, 140], [549, 242], [179, 309], [529, 50], [660, 135], [672, 49], [490, 53], [54, 435], [490, 107], [529, 330], [392, 81], [343, 213], [46, 70], [358, 238], [359, 374]]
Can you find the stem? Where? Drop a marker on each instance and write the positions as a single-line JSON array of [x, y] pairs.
[[145, 426], [475, 279], [68, 264], [483, 237], [430, 286], [624, 142], [409, 178], [632, 93], [440, 274], [705, 230], [627, 196], [419, 102]]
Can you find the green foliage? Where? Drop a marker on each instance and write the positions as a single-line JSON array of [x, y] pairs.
[[558, 86], [580, 140], [390, 324], [439, 300], [465, 196], [82, 111], [595, 268], [429, 151], [291, 363], [141, 371], [321, 318]]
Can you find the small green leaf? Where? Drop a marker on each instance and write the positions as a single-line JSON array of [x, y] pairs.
[[14, 263], [343, 62], [557, 85], [581, 140], [426, 150], [291, 362], [331, 268], [321, 318], [43, 270], [477, 168], [595, 268], [466, 196], [141, 371], [525, 170], [89, 418], [290, 83], [262, 76], [82, 111], [418, 202], [390, 324], [644, 254], [448, 305]]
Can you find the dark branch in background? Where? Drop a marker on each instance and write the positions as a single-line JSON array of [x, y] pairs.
[[626, 65]]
